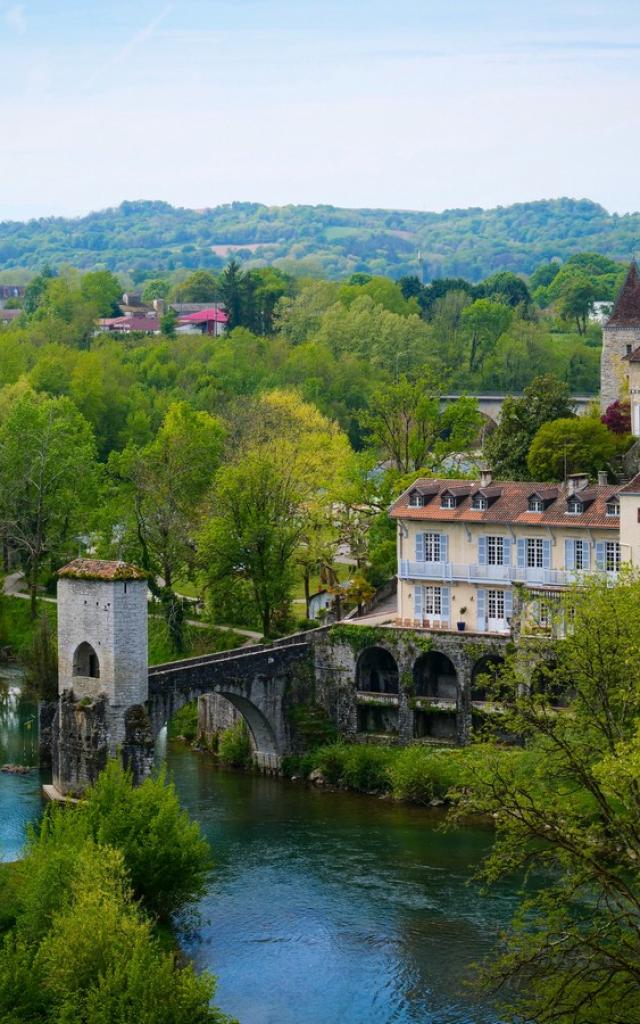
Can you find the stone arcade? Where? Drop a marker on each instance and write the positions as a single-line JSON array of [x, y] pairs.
[[369, 681]]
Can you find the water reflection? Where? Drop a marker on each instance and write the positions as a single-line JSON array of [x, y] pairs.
[[331, 908]]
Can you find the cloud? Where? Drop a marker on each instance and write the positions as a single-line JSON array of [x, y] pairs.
[[15, 17]]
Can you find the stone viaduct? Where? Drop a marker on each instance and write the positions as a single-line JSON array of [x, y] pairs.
[[371, 683], [491, 405]]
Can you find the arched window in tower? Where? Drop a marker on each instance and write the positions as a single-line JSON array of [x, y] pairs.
[[86, 662]]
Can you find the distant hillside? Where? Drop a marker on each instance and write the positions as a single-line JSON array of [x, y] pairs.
[[147, 236]]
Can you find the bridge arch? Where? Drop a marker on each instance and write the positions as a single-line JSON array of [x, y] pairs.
[[435, 676], [377, 671], [484, 674]]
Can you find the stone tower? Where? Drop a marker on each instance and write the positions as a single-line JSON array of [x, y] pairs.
[[620, 337], [102, 672]]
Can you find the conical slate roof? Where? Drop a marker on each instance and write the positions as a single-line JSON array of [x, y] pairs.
[[626, 311]]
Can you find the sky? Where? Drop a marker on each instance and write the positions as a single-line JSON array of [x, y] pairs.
[[415, 104]]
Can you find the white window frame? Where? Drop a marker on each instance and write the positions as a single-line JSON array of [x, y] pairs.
[[432, 547], [579, 547], [495, 604], [416, 500], [574, 507], [612, 557], [613, 505], [432, 602], [448, 501], [536, 505], [495, 550], [535, 553], [479, 503]]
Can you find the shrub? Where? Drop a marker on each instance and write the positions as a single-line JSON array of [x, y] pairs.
[[165, 852], [185, 722], [363, 768], [234, 746], [421, 774]]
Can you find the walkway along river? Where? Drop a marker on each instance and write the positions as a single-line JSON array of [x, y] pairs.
[[323, 908]]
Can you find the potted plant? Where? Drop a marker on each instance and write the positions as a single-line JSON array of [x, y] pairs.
[[461, 623]]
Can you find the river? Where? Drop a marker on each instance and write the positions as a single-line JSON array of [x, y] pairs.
[[323, 908]]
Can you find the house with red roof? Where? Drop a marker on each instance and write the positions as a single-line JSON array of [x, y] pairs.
[[212, 320], [465, 545]]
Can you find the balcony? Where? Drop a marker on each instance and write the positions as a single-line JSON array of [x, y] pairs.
[[452, 572]]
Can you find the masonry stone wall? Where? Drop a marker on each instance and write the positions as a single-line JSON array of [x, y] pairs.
[[80, 743], [215, 714], [616, 343]]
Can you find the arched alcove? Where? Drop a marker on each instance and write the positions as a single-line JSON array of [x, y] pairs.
[[377, 671], [484, 675], [86, 662], [435, 676]]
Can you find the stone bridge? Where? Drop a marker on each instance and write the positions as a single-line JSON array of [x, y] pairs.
[[491, 405], [371, 683]]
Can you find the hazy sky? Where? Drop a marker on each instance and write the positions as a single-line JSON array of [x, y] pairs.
[[415, 104]]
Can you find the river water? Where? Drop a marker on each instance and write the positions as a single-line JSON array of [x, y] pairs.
[[323, 908]]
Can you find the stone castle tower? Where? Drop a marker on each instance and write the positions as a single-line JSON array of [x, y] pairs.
[[620, 338], [102, 671]]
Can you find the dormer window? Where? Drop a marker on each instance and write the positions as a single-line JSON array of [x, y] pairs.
[[613, 508], [536, 504], [416, 500], [479, 503], [574, 507], [448, 501]]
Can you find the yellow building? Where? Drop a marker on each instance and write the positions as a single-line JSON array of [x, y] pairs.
[[463, 544]]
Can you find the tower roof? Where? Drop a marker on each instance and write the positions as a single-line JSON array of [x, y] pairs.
[[99, 569], [626, 310]]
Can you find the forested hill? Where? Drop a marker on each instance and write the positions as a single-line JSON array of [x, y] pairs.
[[148, 236]]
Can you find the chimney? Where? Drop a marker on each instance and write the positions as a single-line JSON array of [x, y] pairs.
[[602, 478], [577, 482], [486, 476]]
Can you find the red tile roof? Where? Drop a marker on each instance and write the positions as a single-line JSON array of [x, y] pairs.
[[626, 310], [204, 316], [99, 569], [511, 506], [10, 314]]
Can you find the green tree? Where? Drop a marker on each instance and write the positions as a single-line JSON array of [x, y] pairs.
[[579, 445], [507, 288], [201, 286], [567, 812], [507, 448], [155, 288], [576, 299], [49, 477], [235, 291], [168, 323], [103, 290], [483, 322], [162, 486], [407, 425]]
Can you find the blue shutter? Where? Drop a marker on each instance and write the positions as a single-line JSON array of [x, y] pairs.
[[444, 547], [419, 547], [445, 604], [586, 554], [522, 553], [480, 610], [507, 550], [569, 554], [546, 554], [508, 604], [482, 550], [418, 603], [600, 555]]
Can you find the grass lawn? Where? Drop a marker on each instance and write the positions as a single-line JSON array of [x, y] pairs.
[[16, 633]]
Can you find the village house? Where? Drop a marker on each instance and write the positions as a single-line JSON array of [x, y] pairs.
[[464, 545]]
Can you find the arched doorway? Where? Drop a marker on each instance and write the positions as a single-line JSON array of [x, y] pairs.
[[377, 671], [435, 679], [86, 662], [484, 677], [434, 676]]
